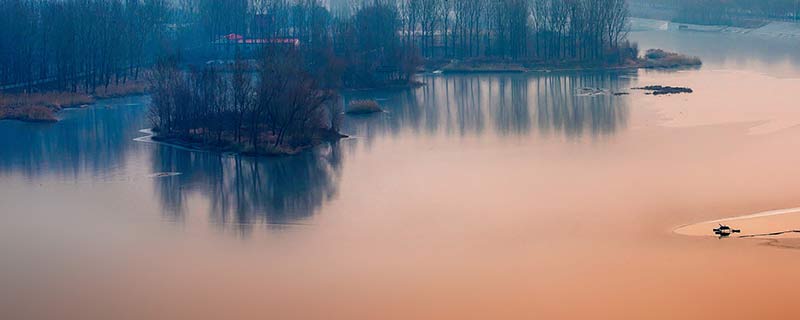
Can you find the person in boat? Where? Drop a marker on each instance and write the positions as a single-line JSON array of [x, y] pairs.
[[725, 231]]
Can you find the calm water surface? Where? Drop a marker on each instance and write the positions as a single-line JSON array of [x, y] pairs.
[[474, 197]]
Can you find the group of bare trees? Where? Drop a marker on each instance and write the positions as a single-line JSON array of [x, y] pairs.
[[377, 41], [298, 52], [386, 32], [76, 44], [542, 30], [371, 50], [364, 47], [83, 44], [280, 105], [515, 29]]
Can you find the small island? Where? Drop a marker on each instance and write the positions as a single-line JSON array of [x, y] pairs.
[[661, 59], [279, 110], [357, 107]]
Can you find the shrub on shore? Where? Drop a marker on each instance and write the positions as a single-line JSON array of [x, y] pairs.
[[363, 107], [657, 58]]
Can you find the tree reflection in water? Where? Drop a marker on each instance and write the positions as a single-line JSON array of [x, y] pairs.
[[503, 104], [90, 143], [245, 191], [559, 109], [96, 144]]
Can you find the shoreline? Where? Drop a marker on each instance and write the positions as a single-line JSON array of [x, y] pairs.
[[325, 136], [389, 87], [513, 69], [652, 59], [42, 107]]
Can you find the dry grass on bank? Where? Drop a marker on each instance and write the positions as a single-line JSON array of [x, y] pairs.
[[39, 107], [42, 106], [657, 58], [129, 88], [27, 113]]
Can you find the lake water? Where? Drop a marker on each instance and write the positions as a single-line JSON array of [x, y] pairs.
[[475, 197]]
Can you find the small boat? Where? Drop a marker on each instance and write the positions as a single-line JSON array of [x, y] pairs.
[[725, 231]]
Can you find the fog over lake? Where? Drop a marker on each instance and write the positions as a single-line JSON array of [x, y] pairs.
[[477, 196]]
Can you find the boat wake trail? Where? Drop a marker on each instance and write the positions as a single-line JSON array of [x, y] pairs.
[[777, 233], [779, 228]]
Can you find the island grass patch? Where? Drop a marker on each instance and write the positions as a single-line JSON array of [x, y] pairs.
[[280, 110], [658, 58], [363, 107], [39, 107]]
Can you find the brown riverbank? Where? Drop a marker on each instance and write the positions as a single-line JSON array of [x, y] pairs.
[[43, 106]]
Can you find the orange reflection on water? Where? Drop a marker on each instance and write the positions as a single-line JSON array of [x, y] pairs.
[[477, 197]]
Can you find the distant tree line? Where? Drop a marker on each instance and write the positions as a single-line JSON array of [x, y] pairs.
[[263, 74], [360, 50], [83, 44], [544, 30], [77, 44]]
